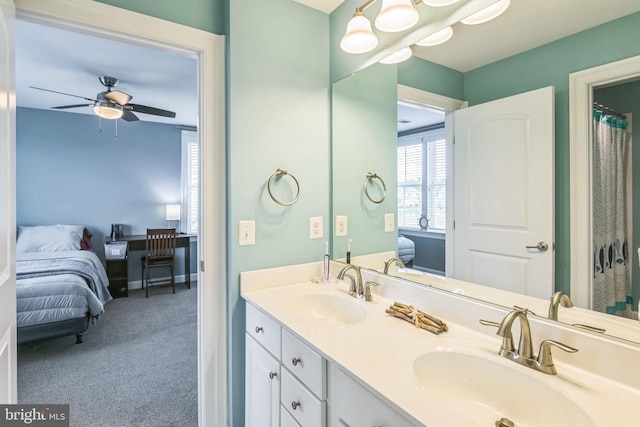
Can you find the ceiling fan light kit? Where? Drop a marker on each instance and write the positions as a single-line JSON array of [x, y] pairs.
[[108, 110], [401, 15]]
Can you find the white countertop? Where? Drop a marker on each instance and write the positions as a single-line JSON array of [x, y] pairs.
[[379, 351]]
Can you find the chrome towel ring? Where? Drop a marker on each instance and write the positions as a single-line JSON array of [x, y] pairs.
[[369, 177], [279, 173]]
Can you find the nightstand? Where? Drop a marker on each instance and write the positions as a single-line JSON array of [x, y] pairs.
[[118, 274]]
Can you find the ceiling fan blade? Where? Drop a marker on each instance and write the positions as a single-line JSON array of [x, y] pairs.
[[62, 93], [151, 110], [118, 97], [62, 107], [129, 116]]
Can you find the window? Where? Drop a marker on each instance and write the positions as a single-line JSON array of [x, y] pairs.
[[422, 179], [190, 181]]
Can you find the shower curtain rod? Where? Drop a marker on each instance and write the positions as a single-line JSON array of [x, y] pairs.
[[608, 110]]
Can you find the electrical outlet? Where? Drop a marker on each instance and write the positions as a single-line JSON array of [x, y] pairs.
[[341, 225], [247, 233], [389, 222], [315, 227]]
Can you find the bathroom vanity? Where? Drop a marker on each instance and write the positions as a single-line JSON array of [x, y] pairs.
[[317, 356]]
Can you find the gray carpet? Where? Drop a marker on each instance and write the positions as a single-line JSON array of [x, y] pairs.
[[137, 366]]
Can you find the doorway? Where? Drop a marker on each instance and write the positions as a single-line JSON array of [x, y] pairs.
[[104, 20]]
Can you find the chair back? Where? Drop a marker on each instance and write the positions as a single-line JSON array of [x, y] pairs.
[[161, 243]]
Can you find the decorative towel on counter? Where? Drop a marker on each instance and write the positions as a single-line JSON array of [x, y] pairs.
[[419, 318]]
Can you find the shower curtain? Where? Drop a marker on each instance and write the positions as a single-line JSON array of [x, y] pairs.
[[611, 284]]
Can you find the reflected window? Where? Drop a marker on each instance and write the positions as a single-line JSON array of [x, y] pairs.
[[190, 181], [422, 179]]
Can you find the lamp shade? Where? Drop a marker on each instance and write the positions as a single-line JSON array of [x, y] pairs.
[[439, 3], [437, 38], [108, 110], [487, 14], [173, 213], [396, 15], [399, 56], [359, 37]]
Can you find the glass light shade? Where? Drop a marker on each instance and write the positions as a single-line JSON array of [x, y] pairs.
[[109, 111], [401, 55], [487, 14], [437, 38], [439, 3], [359, 37], [173, 213], [396, 15]]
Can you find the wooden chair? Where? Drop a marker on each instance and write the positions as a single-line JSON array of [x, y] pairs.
[[159, 253]]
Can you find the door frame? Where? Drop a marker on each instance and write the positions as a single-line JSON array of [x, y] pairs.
[[581, 87], [112, 22], [449, 105]]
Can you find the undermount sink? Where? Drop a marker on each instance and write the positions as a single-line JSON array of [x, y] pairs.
[[328, 308], [484, 390]]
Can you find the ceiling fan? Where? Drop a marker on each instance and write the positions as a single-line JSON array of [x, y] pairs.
[[112, 104]]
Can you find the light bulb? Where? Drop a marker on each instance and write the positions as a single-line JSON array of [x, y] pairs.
[[399, 56], [437, 38], [359, 37], [487, 14], [396, 15]]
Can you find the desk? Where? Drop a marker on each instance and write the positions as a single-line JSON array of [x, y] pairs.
[[138, 243]]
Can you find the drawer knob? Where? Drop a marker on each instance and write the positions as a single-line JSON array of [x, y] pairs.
[[259, 329], [295, 405], [272, 375], [295, 361]]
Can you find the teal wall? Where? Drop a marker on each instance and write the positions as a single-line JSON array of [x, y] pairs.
[[279, 117], [550, 65], [430, 77], [625, 98], [364, 135]]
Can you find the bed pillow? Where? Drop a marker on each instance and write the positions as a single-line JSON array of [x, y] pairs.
[[49, 238], [85, 243]]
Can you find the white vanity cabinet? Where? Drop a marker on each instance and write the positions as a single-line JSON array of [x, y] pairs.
[[285, 379], [351, 405]]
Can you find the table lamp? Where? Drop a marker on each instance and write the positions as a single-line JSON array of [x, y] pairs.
[[173, 214]]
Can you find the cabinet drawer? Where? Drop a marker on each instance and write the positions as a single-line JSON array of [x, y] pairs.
[[305, 363], [355, 406], [286, 420], [263, 329], [307, 409]]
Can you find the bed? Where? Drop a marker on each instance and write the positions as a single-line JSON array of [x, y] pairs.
[[61, 284], [406, 250]]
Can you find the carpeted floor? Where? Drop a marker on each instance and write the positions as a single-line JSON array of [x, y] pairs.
[[137, 366]]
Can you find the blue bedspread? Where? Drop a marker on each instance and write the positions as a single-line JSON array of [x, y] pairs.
[[54, 286]]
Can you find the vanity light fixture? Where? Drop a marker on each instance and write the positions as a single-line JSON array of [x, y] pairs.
[[396, 16], [359, 37], [108, 110], [437, 38], [487, 14], [439, 3], [399, 56]]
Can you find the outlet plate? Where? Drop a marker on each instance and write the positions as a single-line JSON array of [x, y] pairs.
[[247, 233], [341, 225], [389, 223], [315, 227]]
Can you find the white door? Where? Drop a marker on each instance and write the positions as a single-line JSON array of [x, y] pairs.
[[8, 369], [504, 193]]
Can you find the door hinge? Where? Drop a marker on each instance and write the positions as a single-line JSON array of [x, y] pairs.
[[202, 265]]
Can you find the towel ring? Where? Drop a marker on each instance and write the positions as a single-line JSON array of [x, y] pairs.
[[279, 173], [369, 177]]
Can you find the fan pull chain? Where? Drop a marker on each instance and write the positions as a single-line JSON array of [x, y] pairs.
[[99, 124], [116, 137]]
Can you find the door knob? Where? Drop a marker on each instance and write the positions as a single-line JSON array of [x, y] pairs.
[[541, 246]]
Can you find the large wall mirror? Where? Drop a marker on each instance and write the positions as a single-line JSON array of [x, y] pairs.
[[365, 140]]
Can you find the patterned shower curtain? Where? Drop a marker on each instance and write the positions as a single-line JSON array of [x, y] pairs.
[[612, 284]]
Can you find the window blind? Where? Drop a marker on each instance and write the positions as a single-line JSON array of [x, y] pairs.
[[190, 181]]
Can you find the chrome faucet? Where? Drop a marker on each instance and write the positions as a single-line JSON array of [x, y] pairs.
[[356, 289], [524, 354], [558, 299], [390, 262]]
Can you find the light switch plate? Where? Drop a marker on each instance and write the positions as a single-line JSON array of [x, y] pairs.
[[315, 227], [247, 233], [389, 222], [341, 225]]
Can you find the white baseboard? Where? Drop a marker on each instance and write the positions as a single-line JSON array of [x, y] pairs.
[[137, 284]]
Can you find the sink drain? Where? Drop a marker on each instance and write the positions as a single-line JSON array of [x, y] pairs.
[[504, 422]]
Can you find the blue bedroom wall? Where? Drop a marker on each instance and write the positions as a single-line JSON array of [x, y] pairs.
[[67, 172]]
